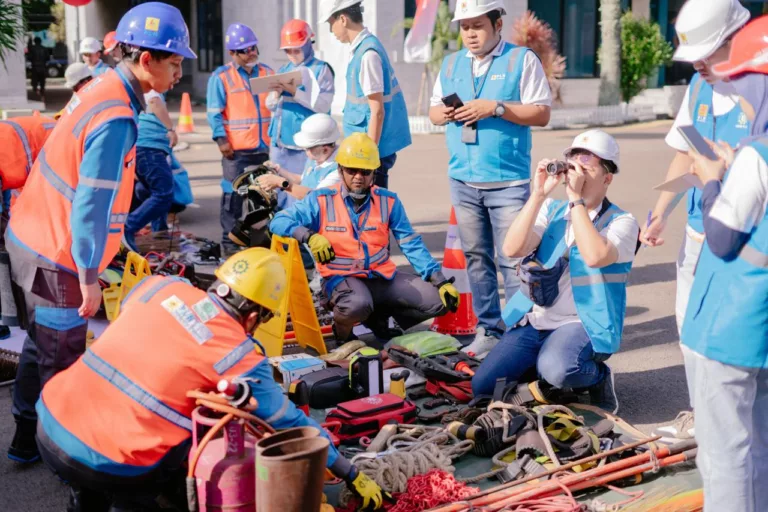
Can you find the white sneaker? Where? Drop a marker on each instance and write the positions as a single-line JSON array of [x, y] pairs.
[[680, 430], [482, 344]]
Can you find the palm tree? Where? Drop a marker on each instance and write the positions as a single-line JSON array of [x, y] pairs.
[[610, 52], [11, 27]]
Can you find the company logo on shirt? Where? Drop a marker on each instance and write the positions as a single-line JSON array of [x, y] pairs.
[[702, 114], [501, 76], [743, 122]]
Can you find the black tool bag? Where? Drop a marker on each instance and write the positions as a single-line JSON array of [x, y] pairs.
[[328, 388]]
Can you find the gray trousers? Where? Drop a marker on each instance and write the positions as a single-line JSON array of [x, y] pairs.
[[406, 298], [732, 433], [56, 334]]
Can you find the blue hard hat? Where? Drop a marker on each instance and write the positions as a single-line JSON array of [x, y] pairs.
[[155, 26], [240, 36]]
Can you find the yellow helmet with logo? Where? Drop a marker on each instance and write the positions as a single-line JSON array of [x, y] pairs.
[[358, 151], [257, 274]]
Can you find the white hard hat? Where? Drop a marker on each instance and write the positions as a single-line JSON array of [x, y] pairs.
[[329, 7], [90, 45], [598, 143], [704, 25], [316, 130], [466, 9], [75, 73]]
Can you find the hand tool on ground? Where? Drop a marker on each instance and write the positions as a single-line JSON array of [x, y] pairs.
[[397, 383]]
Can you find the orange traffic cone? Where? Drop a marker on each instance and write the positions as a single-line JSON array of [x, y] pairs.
[[186, 124], [463, 321]]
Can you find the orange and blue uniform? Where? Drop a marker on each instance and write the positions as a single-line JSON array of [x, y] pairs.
[[170, 338], [359, 234], [240, 118], [67, 223], [23, 138]]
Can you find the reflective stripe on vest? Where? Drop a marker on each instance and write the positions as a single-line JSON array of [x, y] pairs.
[[599, 279], [246, 119], [24, 141], [360, 250], [364, 100], [133, 390], [24, 137], [754, 257], [43, 218]]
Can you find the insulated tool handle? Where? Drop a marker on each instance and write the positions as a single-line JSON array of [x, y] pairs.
[[463, 367], [237, 392]]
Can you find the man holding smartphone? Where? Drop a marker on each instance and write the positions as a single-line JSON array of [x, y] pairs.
[[704, 28], [503, 91]]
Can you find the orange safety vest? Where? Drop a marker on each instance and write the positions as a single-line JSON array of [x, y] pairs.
[[246, 121], [41, 218], [22, 137], [170, 338], [362, 249]]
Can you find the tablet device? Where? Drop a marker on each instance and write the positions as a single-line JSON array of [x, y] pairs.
[[697, 142]]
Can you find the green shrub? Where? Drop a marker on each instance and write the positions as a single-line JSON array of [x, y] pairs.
[[643, 51]]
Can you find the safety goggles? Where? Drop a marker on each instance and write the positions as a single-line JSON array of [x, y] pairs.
[[365, 173], [250, 49]]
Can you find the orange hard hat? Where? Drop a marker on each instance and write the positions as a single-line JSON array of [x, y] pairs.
[[295, 34], [749, 51], [109, 41]]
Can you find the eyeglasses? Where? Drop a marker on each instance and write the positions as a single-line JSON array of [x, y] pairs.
[[362, 172], [250, 49]]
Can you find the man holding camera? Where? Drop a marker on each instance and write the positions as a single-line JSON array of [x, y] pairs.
[[489, 97], [569, 312]]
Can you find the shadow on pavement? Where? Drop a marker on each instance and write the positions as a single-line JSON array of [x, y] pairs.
[[653, 273], [635, 310], [658, 331], [657, 395]]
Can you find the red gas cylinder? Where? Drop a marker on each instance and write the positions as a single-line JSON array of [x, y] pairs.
[[225, 474]]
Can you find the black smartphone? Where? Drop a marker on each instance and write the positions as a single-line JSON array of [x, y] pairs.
[[696, 142], [452, 100]]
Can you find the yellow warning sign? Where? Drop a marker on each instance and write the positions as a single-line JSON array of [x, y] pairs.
[[152, 24], [297, 300], [136, 269]]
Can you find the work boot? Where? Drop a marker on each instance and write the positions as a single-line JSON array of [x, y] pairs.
[[603, 395], [482, 344], [352, 336], [381, 329], [5, 332], [23, 448]]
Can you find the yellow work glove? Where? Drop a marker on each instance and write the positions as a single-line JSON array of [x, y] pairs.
[[449, 295], [321, 248], [367, 490]]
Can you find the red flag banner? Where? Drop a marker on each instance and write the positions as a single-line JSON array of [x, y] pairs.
[[418, 42]]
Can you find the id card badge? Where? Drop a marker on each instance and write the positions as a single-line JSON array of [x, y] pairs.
[[469, 134]]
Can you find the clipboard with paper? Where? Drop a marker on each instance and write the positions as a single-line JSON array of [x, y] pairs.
[[263, 84]]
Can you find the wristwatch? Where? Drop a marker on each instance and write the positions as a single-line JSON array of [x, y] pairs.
[[577, 203], [500, 109], [285, 185]]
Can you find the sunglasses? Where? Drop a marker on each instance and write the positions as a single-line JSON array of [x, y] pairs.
[[362, 172], [250, 49]]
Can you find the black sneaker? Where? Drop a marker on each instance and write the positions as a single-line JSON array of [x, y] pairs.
[[603, 395], [23, 448], [382, 330], [5, 332]]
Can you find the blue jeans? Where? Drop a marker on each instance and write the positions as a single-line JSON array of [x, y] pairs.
[[484, 217], [732, 433], [563, 357], [153, 174], [382, 173]]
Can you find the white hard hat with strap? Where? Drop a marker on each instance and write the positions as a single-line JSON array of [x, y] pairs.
[[328, 8], [598, 143], [90, 45], [703, 26], [466, 9]]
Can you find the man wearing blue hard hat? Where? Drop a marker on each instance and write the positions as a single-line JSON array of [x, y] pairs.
[[68, 225], [239, 119]]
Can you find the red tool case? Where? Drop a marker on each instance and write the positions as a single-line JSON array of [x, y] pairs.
[[366, 416]]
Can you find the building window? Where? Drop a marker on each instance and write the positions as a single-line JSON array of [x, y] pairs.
[[210, 49], [577, 28]]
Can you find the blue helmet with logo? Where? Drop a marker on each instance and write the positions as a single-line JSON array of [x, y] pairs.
[[240, 36], [155, 26]]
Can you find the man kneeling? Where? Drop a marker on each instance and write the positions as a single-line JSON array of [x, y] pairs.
[[567, 325], [347, 228]]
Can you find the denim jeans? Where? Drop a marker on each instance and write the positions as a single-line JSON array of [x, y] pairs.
[[732, 433], [153, 174], [484, 217], [382, 173], [563, 357]]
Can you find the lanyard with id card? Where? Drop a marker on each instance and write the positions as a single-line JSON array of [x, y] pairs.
[[469, 131]]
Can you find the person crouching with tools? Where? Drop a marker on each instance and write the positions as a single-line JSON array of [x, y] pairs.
[[347, 228], [569, 313], [726, 323], [126, 443]]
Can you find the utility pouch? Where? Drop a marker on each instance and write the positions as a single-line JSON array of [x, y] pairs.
[[538, 283]]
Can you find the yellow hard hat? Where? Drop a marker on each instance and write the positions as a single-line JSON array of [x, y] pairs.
[[257, 274], [358, 151]]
